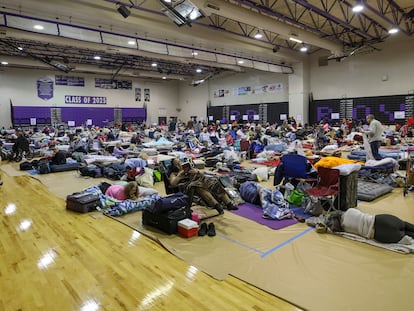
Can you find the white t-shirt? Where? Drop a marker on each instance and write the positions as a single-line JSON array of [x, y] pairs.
[[356, 222]]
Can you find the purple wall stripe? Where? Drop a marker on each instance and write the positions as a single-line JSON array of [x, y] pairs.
[[99, 116]]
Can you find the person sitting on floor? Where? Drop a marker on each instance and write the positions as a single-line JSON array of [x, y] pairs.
[[59, 157], [120, 192], [383, 228], [119, 151], [208, 188]]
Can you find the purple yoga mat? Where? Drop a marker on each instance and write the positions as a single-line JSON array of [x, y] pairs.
[[255, 213]]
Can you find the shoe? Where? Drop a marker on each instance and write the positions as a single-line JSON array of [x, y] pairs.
[[211, 229], [232, 208], [219, 209], [299, 218], [203, 229]]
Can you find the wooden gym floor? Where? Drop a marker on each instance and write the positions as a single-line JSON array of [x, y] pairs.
[[52, 259]]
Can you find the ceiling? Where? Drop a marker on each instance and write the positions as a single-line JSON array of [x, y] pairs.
[[223, 40]]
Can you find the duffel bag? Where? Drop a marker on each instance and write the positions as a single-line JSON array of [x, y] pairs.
[[166, 222], [168, 203]]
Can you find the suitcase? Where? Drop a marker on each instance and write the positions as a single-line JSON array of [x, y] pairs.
[[82, 202], [167, 221]]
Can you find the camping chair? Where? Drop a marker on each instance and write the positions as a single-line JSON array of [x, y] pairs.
[[165, 169], [293, 167], [327, 187]]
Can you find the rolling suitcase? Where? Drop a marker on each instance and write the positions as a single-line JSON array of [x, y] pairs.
[[166, 212], [82, 202], [167, 221]]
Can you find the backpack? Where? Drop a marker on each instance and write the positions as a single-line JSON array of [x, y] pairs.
[[91, 171], [249, 193], [169, 203], [25, 166], [44, 168]]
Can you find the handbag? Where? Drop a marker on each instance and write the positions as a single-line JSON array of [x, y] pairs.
[[296, 197]]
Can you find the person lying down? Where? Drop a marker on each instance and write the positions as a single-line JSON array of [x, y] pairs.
[[383, 228], [129, 191], [122, 198]]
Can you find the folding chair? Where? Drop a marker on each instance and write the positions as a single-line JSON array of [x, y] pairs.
[[327, 187], [294, 167]]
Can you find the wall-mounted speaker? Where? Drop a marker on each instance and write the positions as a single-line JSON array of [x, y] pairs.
[[123, 10]]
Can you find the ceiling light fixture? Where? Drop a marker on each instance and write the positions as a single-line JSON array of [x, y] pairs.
[[4, 63], [393, 30], [194, 14], [295, 40], [304, 49], [258, 35], [198, 70], [97, 57], [182, 12], [359, 7], [132, 42], [38, 27], [20, 48], [154, 64], [164, 78], [240, 62], [194, 53]]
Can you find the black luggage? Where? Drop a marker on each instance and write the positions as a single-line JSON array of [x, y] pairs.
[[166, 222], [82, 202], [91, 170], [165, 213], [170, 202]]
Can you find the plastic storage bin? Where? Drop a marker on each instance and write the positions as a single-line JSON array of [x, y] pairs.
[[187, 228]]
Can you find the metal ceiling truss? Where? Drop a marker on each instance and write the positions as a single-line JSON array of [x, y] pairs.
[[51, 54], [324, 19], [392, 13], [348, 28], [331, 19]]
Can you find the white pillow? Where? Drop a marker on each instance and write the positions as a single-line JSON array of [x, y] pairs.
[[145, 192], [346, 169]]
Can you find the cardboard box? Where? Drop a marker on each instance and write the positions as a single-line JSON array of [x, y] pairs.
[[187, 228]]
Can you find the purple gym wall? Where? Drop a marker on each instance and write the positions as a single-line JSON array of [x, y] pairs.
[[99, 116]]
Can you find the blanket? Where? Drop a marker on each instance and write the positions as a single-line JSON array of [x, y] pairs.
[[114, 207], [92, 158], [404, 246]]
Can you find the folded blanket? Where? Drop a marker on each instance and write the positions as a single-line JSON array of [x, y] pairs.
[[404, 246], [330, 162]]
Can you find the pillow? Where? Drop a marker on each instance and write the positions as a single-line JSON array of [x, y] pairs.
[[329, 148], [146, 192], [346, 169]]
